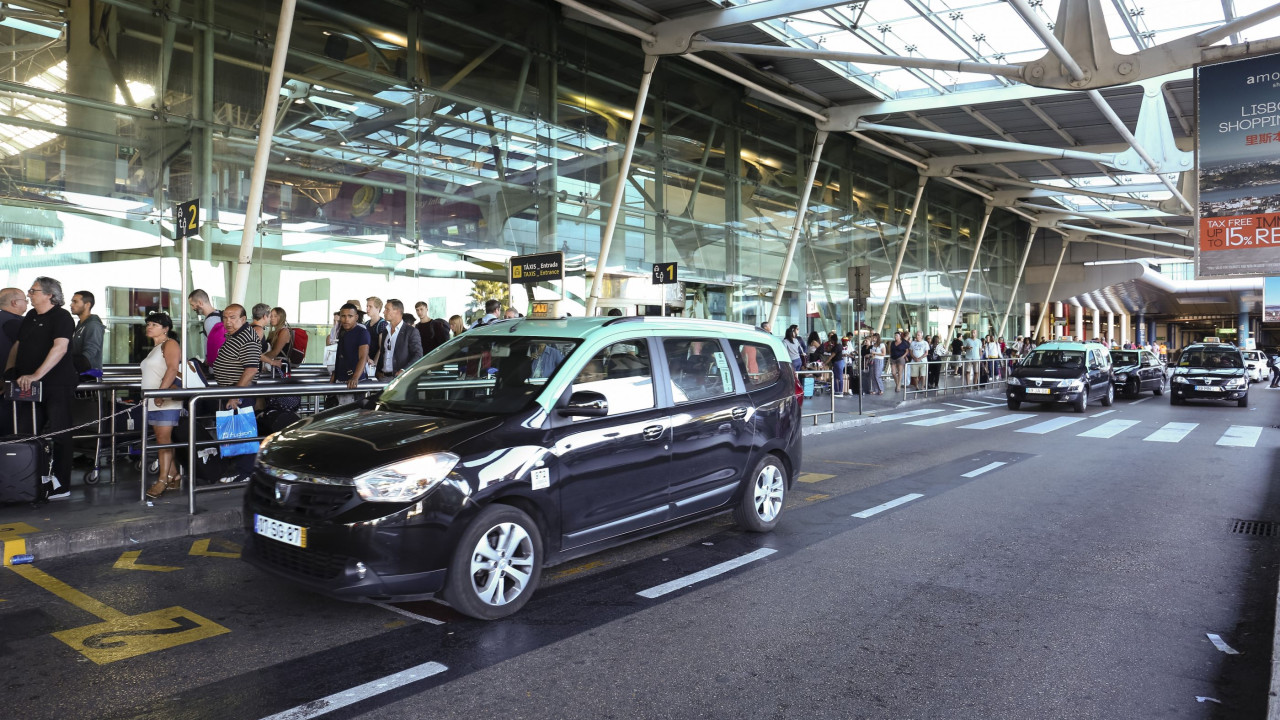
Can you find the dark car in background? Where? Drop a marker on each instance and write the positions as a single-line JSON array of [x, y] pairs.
[[1137, 371], [1210, 371], [1062, 372], [522, 444]]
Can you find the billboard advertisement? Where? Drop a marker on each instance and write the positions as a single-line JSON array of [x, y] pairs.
[[1238, 166]]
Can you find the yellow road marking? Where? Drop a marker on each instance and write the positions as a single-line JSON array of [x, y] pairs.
[[846, 462], [591, 565], [201, 547], [15, 530], [813, 477], [133, 635], [68, 593], [10, 547], [817, 497], [129, 561]]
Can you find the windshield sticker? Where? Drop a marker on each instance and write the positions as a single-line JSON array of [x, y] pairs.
[[541, 478], [726, 377]]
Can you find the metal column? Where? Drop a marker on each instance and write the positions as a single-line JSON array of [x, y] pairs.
[[1080, 323], [624, 170], [902, 252], [1124, 329], [1097, 324], [1017, 281], [1044, 307], [820, 141], [973, 261], [266, 129], [1111, 328]]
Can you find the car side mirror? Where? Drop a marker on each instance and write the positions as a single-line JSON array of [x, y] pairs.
[[585, 403]]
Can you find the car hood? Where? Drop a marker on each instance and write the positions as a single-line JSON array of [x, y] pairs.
[[349, 443], [1047, 372]]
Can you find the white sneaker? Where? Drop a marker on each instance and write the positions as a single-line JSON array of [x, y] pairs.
[[64, 495]]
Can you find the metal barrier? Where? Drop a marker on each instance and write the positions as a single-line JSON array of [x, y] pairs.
[[830, 391], [954, 376], [193, 396]]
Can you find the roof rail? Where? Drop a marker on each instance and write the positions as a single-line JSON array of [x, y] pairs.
[[624, 318]]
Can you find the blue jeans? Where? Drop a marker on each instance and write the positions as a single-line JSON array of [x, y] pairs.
[[837, 381], [798, 364]]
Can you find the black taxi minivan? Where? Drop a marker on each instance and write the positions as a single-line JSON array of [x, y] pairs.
[[523, 444], [1210, 371], [1065, 372]]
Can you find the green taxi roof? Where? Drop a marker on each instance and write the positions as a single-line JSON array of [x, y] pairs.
[[584, 328]]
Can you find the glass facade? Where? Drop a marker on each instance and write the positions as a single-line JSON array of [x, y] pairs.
[[416, 170]]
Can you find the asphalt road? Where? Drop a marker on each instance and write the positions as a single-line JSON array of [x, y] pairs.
[[1021, 570]]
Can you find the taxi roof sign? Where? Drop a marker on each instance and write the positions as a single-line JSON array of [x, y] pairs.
[[545, 309]]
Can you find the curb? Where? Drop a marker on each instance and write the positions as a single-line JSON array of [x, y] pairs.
[[54, 544], [1273, 705], [841, 425]]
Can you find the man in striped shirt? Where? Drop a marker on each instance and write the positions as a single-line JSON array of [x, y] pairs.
[[237, 363]]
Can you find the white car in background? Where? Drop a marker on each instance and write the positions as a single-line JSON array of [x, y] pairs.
[[1256, 363]]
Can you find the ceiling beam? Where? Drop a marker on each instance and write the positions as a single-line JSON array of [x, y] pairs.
[[672, 37]]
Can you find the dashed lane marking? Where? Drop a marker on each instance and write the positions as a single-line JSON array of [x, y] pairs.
[[816, 497], [714, 570], [406, 613], [1135, 402], [813, 477], [996, 422], [984, 469], [1240, 436], [1109, 429], [326, 705], [953, 417], [888, 506], [850, 462], [1049, 426], [1171, 433]]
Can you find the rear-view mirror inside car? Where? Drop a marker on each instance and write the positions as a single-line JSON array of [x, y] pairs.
[[585, 403]]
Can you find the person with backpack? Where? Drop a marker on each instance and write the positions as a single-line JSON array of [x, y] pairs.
[[491, 309], [213, 330], [378, 328], [433, 332], [280, 340]]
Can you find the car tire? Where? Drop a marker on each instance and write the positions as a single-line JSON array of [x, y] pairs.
[[764, 496], [1083, 403], [1243, 402], [1159, 390], [1110, 396], [497, 564], [1133, 388], [1014, 404]]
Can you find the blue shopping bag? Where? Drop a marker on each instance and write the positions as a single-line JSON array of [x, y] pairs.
[[238, 423]]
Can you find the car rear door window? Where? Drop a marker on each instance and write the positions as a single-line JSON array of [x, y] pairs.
[[623, 373], [698, 369], [758, 365]]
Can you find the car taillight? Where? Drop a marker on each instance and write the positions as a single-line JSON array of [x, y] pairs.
[[799, 391]]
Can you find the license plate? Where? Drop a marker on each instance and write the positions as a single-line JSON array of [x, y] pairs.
[[1038, 391], [1208, 388], [281, 531]]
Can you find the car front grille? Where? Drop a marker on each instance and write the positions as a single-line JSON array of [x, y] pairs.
[[299, 561], [305, 499]]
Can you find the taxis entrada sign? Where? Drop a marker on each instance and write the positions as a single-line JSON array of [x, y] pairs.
[[527, 269]]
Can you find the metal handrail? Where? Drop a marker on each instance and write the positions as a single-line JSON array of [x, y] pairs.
[[832, 411], [964, 366]]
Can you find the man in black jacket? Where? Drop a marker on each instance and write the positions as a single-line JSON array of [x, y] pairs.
[[433, 332]]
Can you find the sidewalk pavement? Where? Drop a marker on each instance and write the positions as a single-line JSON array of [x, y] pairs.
[[111, 515]]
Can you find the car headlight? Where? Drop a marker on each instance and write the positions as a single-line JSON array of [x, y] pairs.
[[1072, 384], [405, 480], [1179, 379], [1122, 377], [1238, 383], [1014, 381]]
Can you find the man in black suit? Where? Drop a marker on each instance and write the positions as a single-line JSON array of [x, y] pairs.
[[403, 344]]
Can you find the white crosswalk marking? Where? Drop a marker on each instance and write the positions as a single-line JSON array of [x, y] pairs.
[[996, 422], [953, 417], [1108, 429], [1171, 432], [911, 413], [955, 405], [1240, 436], [1050, 425], [1104, 412]]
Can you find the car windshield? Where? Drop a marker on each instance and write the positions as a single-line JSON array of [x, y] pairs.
[[479, 375], [1059, 359], [1124, 357], [1211, 358]]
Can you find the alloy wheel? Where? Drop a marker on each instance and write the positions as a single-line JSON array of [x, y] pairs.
[[770, 491], [502, 564]]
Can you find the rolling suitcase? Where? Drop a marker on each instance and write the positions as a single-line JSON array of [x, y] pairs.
[[23, 463]]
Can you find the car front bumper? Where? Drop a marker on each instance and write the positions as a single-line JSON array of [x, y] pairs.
[[1054, 395], [1189, 392]]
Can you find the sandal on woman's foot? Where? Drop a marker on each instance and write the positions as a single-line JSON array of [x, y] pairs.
[[173, 482], [157, 489]]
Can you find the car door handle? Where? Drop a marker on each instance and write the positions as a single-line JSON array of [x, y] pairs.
[[653, 432], [739, 413]]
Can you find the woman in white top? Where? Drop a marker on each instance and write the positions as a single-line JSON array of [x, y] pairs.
[[991, 351], [160, 370], [877, 366]]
